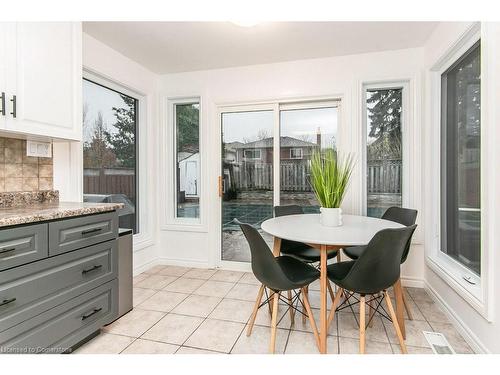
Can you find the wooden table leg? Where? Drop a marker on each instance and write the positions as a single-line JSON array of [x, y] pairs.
[[400, 308], [277, 247], [324, 291]]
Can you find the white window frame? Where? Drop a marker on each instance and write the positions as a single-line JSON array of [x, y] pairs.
[[447, 268], [405, 131], [144, 237], [253, 158], [301, 152]]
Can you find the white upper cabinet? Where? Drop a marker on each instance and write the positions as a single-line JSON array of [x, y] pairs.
[[3, 94], [43, 79]]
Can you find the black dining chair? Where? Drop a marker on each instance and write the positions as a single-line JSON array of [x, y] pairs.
[[278, 274], [404, 216], [377, 269]]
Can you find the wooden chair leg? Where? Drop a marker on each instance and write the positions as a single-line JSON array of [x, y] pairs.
[[330, 290], [311, 318], [362, 325], [274, 323], [371, 313], [395, 323], [255, 310], [335, 303], [305, 296], [292, 311], [270, 302], [407, 305]]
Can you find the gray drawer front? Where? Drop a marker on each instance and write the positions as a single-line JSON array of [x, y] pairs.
[[37, 287], [23, 245], [71, 234], [63, 326]]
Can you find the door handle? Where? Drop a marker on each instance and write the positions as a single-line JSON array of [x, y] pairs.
[[14, 106], [95, 311], [95, 268], [221, 186], [90, 231], [7, 301], [2, 99]]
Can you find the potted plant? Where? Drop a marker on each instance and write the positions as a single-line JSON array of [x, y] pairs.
[[330, 177]]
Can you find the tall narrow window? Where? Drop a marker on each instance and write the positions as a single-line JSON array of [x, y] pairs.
[[109, 150], [384, 146], [187, 158], [460, 160]]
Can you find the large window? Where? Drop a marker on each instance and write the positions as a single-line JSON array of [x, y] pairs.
[[460, 160], [109, 150], [187, 158], [384, 149]]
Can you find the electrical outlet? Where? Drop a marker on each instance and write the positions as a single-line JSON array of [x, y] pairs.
[[39, 149]]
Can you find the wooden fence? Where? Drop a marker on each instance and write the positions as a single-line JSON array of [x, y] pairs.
[[109, 181], [384, 176]]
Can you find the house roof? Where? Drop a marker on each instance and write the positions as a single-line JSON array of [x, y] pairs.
[[268, 143]]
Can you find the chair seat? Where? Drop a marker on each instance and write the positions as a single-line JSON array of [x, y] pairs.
[[303, 252], [339, 271], [354, 252], [298, 273]]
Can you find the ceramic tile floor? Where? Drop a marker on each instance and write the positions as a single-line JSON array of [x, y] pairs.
[[196, 311]]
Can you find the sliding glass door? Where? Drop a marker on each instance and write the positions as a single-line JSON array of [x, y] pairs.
[[259, 171]]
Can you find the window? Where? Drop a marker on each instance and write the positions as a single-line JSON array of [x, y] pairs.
[[296, 153], [384, 149], [109, 150], [460, 160], [252, 154], [187, 158]]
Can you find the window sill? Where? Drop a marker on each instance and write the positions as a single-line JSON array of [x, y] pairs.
[[452, 273], [185, 226]]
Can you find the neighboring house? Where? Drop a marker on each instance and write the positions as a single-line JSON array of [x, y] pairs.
[[231, 150], [261, 151], [189, 173]]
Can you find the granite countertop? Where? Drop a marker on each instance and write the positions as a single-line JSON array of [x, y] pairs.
[[50, 211]]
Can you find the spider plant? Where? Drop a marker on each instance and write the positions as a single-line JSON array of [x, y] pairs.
[[330, 176]]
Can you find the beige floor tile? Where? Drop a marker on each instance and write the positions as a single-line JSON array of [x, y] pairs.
[[134, 323], [214, 288], [173, 271], [244, 292], [349, 328], [200, 273], [197, 306], [233, 310], [229, 276], [351, 346], [414, 335], [141, 294], [454, 338], [215, 335], [154, 269], [105, 343], [258, 342], [141, 346], [155, 282], [411, 349], [249, 278], [432, 312], [188, 350], [305, 343], [417, 314], [163, 301], [264, 317], [139, 278], [173, 329], [184, 285], [315, 299], [300, 325], [419, 294]]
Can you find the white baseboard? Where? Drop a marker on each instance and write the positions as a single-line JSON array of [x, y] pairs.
[[412, 282], [476, 345], [184, 263]]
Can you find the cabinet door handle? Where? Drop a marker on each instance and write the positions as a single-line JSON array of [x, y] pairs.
[[95, 311], [84, 272], [7, 301], [10, 249], [90, 231], [2, 99], [14, 105]]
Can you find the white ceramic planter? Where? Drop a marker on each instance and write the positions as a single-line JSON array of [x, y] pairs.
[[331, 217]]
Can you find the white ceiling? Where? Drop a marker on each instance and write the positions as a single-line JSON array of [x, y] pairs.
[[170, 47]]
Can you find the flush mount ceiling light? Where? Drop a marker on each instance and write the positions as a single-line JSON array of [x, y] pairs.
[[246, 23]]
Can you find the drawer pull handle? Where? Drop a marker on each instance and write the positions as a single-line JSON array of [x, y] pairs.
[[95, 311], [84, 272], [7, 301], [90, 231], [10, 249]]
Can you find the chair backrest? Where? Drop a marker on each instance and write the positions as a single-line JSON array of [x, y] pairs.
[[264, 265], [404, 216], [292, 209], [379, 267]]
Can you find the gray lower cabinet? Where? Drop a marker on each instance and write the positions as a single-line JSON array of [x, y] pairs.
[[53, 300]]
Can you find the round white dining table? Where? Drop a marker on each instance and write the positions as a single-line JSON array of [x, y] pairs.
[[307, 228]]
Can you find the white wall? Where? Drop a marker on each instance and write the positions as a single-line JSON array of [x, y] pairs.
[[327, 77], [481, 333], [109, 64]]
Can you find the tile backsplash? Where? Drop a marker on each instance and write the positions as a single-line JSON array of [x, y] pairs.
[[19, 172]]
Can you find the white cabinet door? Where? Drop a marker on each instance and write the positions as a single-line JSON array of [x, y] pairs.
[[44, 73], [3, 88]]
